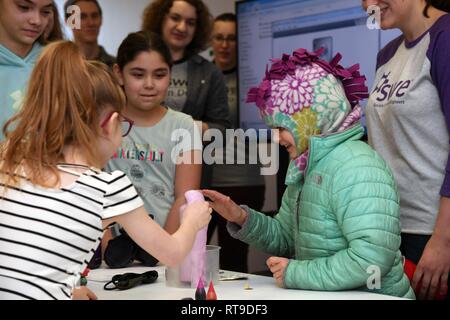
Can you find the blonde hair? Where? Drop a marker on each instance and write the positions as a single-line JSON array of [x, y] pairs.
[[62, 107]]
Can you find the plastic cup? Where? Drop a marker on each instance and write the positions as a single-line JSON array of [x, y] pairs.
[[212, 262]]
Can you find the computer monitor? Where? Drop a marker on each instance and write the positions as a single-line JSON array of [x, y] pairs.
[[269, 28]]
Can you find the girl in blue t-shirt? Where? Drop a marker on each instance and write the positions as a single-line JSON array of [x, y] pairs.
[[162, 153]]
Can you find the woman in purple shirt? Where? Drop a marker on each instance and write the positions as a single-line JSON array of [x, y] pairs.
[[408, 120]]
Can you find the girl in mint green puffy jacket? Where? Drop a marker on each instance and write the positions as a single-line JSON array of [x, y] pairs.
[[338, 226]]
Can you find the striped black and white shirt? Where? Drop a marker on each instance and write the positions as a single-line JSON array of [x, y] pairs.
[[48, 236]]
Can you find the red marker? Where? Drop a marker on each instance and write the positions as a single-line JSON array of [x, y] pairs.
[[85, 272], [211, 295]]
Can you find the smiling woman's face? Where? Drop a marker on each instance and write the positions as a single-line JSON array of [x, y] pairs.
[[179, 26]]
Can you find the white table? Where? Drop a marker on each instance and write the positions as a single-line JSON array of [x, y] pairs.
[[263, 288]]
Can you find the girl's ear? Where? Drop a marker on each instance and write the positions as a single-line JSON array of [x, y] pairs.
[[110, 127], [118, 74]]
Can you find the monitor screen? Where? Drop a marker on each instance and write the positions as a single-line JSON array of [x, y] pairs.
[[269, 28]]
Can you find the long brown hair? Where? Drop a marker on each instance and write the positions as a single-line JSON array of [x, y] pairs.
[[443, 5], [62, 107], [156, 12], [57, 32]]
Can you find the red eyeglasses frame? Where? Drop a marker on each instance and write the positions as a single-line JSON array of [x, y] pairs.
[[122, 119]]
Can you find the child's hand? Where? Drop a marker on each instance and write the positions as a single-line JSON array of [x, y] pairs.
[[83, 293], [226, 207], [277, 266], [198, 214]]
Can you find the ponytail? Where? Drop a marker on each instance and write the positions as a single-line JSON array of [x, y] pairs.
[[60, 109]]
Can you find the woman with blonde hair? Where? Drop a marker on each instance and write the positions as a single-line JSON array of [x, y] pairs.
[[54, 201]]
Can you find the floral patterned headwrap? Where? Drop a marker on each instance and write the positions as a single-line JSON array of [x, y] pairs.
[[309, 96]]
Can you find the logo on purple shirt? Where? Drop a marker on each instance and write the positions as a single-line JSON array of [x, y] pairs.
[[387, 90]]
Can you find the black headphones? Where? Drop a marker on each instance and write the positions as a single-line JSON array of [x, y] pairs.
[[122, 251], [129, 280]]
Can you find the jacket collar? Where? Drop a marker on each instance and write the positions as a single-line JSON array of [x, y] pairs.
[[196, 58], [320, 147]]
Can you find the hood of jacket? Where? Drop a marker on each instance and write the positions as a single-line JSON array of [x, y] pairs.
[[10, 59]]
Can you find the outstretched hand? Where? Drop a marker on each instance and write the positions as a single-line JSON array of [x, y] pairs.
[[226, 207]]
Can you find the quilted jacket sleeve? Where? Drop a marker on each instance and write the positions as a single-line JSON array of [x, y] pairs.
[[366, 207], [272, 235]]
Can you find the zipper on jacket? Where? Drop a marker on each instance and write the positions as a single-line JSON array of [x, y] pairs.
[[322, 136], [297, 222]]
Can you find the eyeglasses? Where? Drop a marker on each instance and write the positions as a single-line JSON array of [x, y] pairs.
[[127, 124], [221, 38]]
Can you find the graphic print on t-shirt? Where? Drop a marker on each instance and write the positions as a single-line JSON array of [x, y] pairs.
[[385, 90], [177, 92], [140, 152]]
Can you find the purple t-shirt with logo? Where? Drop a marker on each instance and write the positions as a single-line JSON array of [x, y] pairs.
[[408, 120]]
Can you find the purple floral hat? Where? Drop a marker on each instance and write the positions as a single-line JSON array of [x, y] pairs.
[[309, 96]]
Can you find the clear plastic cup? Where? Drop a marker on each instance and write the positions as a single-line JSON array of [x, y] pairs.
[[212, 263]]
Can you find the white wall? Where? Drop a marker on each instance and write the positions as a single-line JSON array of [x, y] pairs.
[[120, 18], [220, 6]]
